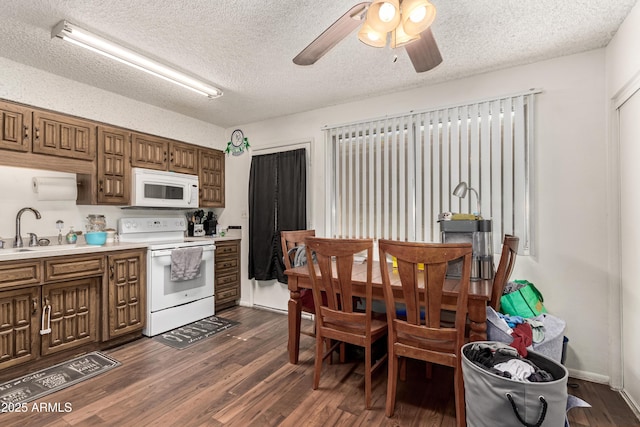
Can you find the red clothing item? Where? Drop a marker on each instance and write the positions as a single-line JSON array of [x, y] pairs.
[[522, 338]]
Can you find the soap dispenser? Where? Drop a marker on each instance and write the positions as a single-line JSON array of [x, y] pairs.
[[71, 236]]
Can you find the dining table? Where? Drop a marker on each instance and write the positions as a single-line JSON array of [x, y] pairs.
[[298, 279]]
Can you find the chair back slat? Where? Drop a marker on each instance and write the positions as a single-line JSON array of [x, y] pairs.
[[423, 298], [290, 239], [336, 318], [335, 259], [505, 267], [422, 269]]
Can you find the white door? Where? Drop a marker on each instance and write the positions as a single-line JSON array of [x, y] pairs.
[[629, 116]]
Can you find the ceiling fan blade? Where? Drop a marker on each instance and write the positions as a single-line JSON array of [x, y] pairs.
[[424, 52], [332, 35]]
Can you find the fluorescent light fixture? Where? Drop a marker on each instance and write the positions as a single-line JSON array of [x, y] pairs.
[[80, 37]]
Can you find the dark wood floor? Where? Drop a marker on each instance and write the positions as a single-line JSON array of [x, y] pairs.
[[242, 377]]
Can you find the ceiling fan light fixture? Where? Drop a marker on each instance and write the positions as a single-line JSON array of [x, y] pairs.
[[83, 38], [417, 16], [371, 37], [384, 15], [400, 38]]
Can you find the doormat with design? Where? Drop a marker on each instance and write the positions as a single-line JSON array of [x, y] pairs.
[[46, 381], [190, 334]]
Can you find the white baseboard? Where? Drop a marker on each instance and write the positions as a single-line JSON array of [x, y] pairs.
[[274, 310], [632, 404], [589, 376]]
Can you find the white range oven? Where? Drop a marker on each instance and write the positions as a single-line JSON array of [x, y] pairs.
[[171, 303]]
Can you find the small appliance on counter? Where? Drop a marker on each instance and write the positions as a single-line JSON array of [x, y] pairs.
[[199, 224], [478, 233]]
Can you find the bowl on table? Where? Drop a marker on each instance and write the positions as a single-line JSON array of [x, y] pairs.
[[95, 237]]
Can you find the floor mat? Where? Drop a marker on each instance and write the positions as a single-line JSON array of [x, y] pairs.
[[46, 381], [190, 334]]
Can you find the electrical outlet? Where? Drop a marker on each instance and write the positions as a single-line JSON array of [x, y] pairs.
[[243, 214]]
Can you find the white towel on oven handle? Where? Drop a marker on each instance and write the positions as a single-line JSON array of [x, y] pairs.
[[185, 263]]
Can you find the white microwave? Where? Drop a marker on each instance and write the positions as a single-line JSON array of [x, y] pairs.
[[161, 189]]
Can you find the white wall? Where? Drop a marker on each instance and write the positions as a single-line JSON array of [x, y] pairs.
[[570, 182], [623, 79], [31, 86]]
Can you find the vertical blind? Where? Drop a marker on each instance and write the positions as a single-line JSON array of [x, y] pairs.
[[392, 177]]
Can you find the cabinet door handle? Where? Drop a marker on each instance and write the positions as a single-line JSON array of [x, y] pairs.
[[111, 272], [34, 303], [37, 129], [26, 132], [100, 187]]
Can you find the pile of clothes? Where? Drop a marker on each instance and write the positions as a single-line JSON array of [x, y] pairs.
[[505, 361], [543, 334]]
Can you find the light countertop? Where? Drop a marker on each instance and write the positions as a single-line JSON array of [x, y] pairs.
[[30, 252]]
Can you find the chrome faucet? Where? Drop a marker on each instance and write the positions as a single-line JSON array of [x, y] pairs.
[[17, 242]]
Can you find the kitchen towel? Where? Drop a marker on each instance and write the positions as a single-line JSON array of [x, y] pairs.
[[185, 263], [49, 188]]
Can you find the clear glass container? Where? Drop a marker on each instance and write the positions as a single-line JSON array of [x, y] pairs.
[[96, 222]]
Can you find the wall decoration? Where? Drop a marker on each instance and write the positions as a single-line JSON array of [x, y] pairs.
[[238, 143]]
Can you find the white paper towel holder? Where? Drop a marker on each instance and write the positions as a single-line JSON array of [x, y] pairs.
[[50, 188]]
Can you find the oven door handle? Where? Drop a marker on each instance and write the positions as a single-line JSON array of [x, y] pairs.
[[167, 252]]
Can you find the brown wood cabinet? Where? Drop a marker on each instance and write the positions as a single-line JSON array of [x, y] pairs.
[[101, 155], [70, 310], [15, 127], [211, 178], [63, 136], [114, 166], [20, 273], [126, 296], [149, 152], [154, 152], [19, 326], [78, 301], [227, 273], [183, 158]]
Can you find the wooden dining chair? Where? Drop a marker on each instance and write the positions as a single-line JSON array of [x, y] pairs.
[[505, 267], [424, 337], [336, 318], [291, 240]]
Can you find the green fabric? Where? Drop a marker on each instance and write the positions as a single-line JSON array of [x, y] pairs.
[[525, 302]]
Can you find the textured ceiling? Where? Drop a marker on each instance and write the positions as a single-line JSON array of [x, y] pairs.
[[245, 47]]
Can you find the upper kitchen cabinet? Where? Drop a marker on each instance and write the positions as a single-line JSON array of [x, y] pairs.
[[211, 177], [149, 152], [15, 127], [63, 136], [153, 152], [183, 158], [114, 168]]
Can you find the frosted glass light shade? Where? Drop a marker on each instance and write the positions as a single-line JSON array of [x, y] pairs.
[[371, 37], [400, 38], [384, 15], [413, 9]]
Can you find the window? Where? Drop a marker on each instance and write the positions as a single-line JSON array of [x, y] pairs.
[[392, 177]]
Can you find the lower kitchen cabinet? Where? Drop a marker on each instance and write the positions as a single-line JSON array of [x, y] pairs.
[[126, 293], [69, 315], [19, 326], [227, 274], [68, 304]]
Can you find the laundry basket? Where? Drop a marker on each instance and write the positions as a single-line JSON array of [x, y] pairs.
[[495, 401], [552, 344]]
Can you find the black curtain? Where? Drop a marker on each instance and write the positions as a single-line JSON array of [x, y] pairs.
[[277, 201]]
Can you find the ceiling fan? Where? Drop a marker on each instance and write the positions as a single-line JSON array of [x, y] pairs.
[[402, 23]]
